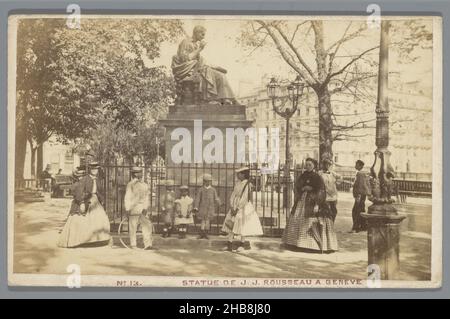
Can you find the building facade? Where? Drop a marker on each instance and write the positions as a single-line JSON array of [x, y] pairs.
[[56, 155], [410, 133], [304, 124]]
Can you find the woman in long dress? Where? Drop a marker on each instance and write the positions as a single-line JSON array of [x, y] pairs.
[[242, 219], [310, 225], [88, 223]]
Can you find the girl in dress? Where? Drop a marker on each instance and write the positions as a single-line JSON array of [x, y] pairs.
[[88, 223], [242, 219], [310, 225], [183, 209]]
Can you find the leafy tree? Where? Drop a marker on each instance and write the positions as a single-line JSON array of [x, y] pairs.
[[71, 82], [41, 110]]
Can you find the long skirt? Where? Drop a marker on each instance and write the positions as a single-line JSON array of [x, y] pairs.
[[89, 228], [245, 223], [314, 233]]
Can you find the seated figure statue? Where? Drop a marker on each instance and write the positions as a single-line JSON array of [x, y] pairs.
[[196, 81]]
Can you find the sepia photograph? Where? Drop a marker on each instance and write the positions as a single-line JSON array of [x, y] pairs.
[[225, 151]]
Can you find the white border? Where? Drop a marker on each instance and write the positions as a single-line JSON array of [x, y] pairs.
[[158, 281]]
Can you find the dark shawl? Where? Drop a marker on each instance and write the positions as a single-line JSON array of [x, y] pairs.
[[316, 196]]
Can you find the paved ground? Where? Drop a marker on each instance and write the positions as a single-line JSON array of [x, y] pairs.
[[37, 226]]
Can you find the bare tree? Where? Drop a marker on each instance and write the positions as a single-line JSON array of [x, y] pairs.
[[336, 72], [330, 73]]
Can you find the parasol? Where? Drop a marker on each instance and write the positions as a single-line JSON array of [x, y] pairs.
[[315, 229]]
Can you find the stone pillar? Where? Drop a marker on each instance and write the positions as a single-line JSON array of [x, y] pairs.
[[383, 221], [383, 239]]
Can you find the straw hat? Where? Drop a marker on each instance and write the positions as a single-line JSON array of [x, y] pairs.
[[79, 172], [94, 164], [207, 177], [169, 182], [136, 169], [242, 169]]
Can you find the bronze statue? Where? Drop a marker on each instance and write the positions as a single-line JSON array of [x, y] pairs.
[[197, 82]]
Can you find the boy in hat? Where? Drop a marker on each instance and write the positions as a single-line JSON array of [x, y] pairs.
[[205, 204], [168, 208], [136, 204], [183, 208]]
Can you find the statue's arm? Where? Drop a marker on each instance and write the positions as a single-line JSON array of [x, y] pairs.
[[186, 51]]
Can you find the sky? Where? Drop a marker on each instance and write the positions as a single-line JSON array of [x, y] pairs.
[[246, 70]]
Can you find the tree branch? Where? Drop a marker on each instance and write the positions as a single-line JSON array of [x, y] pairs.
[[296, 29], [331, 75], [297, 54], [285, 55], [350, 127]]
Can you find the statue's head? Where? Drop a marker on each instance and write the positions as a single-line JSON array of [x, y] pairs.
[[199, 33]]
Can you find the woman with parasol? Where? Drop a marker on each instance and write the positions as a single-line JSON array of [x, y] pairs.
[[310, 224]]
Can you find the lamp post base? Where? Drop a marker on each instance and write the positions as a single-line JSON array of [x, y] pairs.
[[383, 238]]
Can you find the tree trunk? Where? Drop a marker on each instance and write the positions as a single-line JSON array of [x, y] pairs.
[[20, 151], [40, 158], [33, 160], [323, 95], [325, 125]]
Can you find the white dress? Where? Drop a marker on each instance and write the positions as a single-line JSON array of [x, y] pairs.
[[246, 222], [86, 228], [183, 207]]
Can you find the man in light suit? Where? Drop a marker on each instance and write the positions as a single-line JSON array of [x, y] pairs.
[[136, 204]]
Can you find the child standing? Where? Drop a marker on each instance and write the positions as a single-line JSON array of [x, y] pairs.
[[205, 205], [242, 220], [168, 208], [183, 209]]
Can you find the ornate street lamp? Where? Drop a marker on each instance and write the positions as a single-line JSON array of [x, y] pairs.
[[294, 92], [382, 218]]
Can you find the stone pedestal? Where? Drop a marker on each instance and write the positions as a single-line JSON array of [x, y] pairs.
[[219, 118], [383, 237]]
